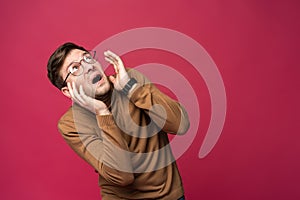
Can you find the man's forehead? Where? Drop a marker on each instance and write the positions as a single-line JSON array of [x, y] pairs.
[[73, 55]]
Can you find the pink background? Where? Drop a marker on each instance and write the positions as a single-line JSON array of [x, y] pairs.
[[255, 45]]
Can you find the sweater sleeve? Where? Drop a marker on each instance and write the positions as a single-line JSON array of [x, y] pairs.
[[107, 154], [158, 105]]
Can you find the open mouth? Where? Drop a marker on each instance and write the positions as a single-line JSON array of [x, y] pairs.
[[96, 79]]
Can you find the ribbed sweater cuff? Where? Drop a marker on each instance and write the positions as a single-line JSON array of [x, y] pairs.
[[105, 120], [133, 95]]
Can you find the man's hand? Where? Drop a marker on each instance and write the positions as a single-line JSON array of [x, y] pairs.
[[122, 77], [93, 105]]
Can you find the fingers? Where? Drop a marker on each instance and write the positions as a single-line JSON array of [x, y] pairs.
[[83, 95], [76, 97], [112, 58], [113, 63], [76, 94], [112, 55], [115, 60], [112, 79]]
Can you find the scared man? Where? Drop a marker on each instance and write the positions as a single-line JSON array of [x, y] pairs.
[[119, 125]]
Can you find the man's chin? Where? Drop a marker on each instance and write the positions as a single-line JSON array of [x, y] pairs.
[[102, 89]]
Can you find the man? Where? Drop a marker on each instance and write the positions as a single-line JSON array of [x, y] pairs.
[[119, 125]]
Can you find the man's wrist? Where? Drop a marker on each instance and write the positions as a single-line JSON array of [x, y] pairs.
[[130, 85], [103, 112]]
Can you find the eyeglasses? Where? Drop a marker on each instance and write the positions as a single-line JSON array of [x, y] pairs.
[[76, 69]]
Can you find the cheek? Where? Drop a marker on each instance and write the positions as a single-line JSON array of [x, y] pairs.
[[103, 89], [88, 89]]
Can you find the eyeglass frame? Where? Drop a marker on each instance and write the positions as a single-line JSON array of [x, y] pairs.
[[92, 53]]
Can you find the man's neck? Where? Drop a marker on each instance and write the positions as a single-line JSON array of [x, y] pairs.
[[106, 98]]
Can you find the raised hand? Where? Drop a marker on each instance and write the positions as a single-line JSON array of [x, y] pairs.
[[122, 77], [91, 104]]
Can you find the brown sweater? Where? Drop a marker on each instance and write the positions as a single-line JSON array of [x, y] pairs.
[[130, 148]]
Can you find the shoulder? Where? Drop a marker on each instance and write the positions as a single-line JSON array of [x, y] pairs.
[[75, 119], [67, 117], [66, 122]]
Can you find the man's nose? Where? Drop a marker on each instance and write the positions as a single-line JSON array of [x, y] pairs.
[[87, 67]]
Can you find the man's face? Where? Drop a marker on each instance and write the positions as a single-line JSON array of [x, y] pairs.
[[93, 79]]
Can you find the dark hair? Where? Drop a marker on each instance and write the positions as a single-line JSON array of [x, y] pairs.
[[56, 61]]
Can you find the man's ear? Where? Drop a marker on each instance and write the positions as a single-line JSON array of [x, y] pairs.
[[66, 92]]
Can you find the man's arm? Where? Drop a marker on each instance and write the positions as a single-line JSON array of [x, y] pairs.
[[107, 154], [145, 95]]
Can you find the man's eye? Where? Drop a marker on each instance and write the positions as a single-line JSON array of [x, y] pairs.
[[74, 68], [88, 58]]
